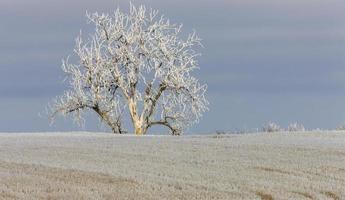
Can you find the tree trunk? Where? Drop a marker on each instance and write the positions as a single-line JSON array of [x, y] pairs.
[[138, 131], [139, 126]]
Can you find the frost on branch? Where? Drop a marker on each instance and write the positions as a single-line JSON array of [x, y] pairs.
[[135, 63]]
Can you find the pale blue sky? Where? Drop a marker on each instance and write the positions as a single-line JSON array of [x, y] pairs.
[[263, 60]]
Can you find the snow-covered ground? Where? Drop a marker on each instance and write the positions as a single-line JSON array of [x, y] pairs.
[[105, 166]]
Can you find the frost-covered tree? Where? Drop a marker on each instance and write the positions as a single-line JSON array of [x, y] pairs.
[[271, 127], [296, 127], [138, 63]]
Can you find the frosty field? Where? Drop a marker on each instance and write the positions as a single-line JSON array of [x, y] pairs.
[[103, 166]]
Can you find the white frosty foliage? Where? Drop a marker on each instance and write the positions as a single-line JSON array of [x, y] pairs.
[[296, 127], [271, 127], [135, 62]]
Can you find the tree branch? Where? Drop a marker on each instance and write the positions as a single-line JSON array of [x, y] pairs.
[[174, 131]]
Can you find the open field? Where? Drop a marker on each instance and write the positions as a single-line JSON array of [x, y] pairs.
[[104, 166]]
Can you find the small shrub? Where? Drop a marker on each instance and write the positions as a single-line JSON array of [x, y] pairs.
[[220, 132], [271, 127], [296, 127], [341, 128]]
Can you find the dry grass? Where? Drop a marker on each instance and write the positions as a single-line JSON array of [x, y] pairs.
[[305, 195], [102, 166], [21, 181], [264, 196], [331, 195], [267, 169]]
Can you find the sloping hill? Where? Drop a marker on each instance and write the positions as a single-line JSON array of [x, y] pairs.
[[103, 166]]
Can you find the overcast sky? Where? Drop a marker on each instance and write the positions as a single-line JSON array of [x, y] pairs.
[[266, 60]]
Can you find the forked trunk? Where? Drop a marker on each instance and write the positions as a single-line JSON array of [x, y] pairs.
[[138, 131], [139, 127]]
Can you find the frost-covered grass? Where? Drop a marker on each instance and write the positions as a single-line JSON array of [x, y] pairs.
[[301, 165]]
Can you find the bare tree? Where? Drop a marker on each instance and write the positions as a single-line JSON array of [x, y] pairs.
[[137, 63]]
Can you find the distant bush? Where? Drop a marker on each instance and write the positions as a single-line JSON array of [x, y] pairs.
[[271, 127], [341, 128], [220, 132], [296, 127]]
